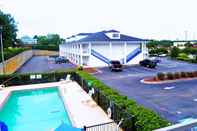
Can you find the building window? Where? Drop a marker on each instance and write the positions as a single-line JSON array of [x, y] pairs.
[[115, 35]]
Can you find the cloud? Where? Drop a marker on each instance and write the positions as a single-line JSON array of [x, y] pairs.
[[159, 19]]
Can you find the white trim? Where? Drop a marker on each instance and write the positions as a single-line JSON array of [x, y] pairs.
[[110, 50], [90, 48], [125, 52], [81, 55], [108, 42]]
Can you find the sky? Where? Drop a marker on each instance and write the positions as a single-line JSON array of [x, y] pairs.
[[150, 19]]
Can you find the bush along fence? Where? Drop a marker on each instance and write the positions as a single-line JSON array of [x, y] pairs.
[[46, 47], [135, 117], [11, 52]]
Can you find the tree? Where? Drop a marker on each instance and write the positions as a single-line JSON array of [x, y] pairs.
[[50, 39], [54, 39], [43, 40], [152, 44], [165, 43], [188, 44], [174, 52], [9, 29]]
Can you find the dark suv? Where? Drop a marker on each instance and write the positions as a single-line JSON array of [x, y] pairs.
[[60, 60], [115, 65], [148, 63]]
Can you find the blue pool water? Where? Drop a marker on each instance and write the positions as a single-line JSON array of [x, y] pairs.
[[34, 110]]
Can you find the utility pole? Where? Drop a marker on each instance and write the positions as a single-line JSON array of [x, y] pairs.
[[2, 54]]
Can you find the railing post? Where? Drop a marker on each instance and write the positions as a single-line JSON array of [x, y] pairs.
[[84, 128], [98, 97]]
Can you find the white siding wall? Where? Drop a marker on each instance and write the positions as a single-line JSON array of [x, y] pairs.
[[131, 47], [102, 48], [116, 53]]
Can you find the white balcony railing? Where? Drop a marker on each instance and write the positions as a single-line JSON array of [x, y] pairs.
[[185, 126]]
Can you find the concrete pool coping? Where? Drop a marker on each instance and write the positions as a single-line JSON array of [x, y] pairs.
[[81, 108]]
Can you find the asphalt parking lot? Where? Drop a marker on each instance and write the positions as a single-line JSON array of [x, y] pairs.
[[173, 101], [40, 64]]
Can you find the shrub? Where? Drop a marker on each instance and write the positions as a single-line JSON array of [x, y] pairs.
[[183, 74], [161, 76], [183, 56], [190, 50], [46, 47], [174, 52], [195, 73], [170, 76], [80, 68], [11, 52], [177, 75], [190, 74]]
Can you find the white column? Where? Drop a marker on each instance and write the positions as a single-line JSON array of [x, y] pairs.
[[89, 53], [90, 48], [81, 55], [75, 52], [110, 50], [125, 52], [143, 50]]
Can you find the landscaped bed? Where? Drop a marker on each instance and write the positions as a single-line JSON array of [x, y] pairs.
[[171, 77]]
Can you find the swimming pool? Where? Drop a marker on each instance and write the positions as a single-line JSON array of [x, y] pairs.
[[34, 110]]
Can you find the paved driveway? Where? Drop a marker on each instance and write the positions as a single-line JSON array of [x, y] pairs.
[[173, 101], [42, 64]]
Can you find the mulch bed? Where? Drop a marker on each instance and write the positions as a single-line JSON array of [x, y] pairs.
[[154, 80], [90, 70]]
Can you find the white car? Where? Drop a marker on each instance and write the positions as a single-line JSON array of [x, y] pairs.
[[163, 55]]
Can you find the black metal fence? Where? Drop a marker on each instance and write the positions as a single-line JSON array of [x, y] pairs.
[[117, 113], [110, 126], [24, 79]]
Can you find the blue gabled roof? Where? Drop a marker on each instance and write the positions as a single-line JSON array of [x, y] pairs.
[[84, 34], [101, 36], [108, 31]]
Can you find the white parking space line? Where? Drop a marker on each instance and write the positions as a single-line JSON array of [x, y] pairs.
[[169, 87]]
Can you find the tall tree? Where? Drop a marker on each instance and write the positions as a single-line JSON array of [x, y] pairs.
[[50, 39], [9, 29]]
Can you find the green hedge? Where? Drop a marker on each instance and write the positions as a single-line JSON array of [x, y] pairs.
[[11, 52], [146, 119], [46, 47], [23, 79]]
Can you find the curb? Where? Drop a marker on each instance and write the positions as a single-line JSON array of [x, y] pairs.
[[166, 81]]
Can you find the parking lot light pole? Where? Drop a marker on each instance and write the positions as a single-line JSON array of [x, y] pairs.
[[2, 53]]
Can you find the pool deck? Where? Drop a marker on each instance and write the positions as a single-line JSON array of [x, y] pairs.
[[82, 109]]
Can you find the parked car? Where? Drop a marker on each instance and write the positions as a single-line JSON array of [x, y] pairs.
[[156, 60], [148, 63], [163, 55], [60, 60], [115, 65]]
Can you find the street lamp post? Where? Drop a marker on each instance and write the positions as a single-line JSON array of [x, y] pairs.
[[2, 54]]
